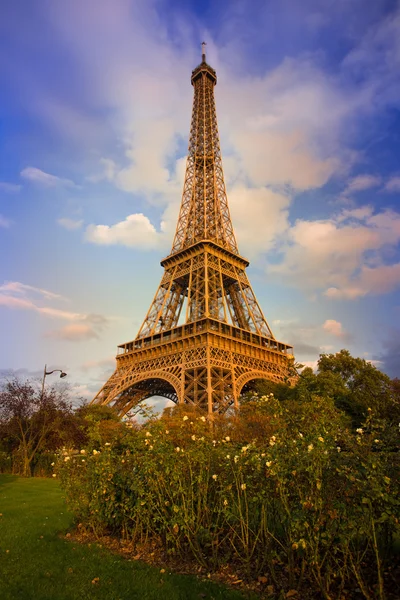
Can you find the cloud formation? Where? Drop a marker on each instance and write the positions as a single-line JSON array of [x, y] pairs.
[[44, 179], [13, 302], [136, 231], [75, 332], [311, 340], [21, 289], [344, 256], [285, 127], [361, 183], [83, 328], [19, 296], [260, 216], [335, 328], [70, 224], [104, 363], [393, 185]]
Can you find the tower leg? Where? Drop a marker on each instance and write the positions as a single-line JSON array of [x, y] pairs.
[[209, 386], [181, 397], [234, 390]]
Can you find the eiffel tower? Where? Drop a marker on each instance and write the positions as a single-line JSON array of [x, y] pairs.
[[205, 339]]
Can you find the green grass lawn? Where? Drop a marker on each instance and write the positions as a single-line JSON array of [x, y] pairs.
[[36, 563]]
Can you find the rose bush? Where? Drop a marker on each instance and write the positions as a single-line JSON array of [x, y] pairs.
[[308, 500]]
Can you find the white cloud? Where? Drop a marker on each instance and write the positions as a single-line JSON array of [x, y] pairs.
[[305, 338], [11, 188], [83, 328], [109, 167], [335, 328], [357, 214], [45, 179], [107, 363], [278, 157], [312, 364], [343, 256], [75, 332], [70, 224], [378, 280], [136, 231], [393, 185], [259, 216], [152, 143], [357, 184], [108, 171], [361, 183], [19, 296], [285, 126], [21, 289], [375, 363], [4, 222], [26, 304]]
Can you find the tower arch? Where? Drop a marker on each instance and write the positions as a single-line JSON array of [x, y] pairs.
[[247, 378], [132, 390]]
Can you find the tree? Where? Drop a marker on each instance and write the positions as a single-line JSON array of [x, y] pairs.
[[363, 385], [31, 422], [98, 424], [354, 384]]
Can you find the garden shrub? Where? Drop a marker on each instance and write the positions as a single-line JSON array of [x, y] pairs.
[[284, 488]]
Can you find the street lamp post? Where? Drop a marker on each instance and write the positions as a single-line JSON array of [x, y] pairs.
[[45, 372]]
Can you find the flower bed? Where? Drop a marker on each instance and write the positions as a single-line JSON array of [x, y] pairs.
[[284, 489]]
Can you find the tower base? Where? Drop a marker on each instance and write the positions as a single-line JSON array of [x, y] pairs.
[[206, 363]]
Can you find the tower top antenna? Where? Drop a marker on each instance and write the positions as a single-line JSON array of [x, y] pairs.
[[203, 51]]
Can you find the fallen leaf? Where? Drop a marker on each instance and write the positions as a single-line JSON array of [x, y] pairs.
[[291, 593], [263, 579], [96, 580]]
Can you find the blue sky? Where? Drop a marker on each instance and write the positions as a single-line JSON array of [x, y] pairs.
[[94, 121]]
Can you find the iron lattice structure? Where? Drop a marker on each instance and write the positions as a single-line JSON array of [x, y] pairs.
[[204, 339]]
